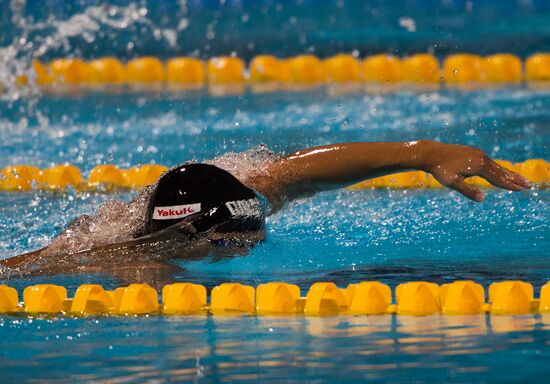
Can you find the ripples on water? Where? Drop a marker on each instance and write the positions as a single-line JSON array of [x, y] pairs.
[[341, 236], [297, 349], [94, 128]]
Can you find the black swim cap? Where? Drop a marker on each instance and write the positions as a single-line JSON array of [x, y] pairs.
[[206, 196]]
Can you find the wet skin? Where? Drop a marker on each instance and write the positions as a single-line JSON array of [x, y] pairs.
[[334, 166]]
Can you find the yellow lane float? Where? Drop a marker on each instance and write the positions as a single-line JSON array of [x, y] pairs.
[[413, 179], [183, 298], [44, 298], [272, 298], [462, 68], [421, 68], [511, 297], [416, 298], [325, 299], [306, 70], [135, 299], [544, 305], [107, 175], [21, 80], [462, 298], [342, 69], [267, 68], [232, 298], [537, 67], [506, 164], [145, 70], [9, 299], [69, 71], [92, 299], [59, 177], [43, 74], [185, 70], [226, 70], [368, 298], [382, 69], [138, 177], [501, 68], [19, 178], [106, 70], [536, 170]]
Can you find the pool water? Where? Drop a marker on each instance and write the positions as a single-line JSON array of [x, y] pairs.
[[342, 236], [289, 349]]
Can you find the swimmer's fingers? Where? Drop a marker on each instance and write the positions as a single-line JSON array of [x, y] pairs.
[[456, 182], [502, 177], [468, 190]]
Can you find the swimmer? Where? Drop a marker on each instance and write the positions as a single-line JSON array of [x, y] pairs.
[[196, 210]]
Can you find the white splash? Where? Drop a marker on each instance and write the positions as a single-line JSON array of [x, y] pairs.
[[248, 164], [37, 39], [114, 222], [117, 221]]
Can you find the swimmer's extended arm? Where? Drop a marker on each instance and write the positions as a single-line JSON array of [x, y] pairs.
[[333, 166], [177, 241]]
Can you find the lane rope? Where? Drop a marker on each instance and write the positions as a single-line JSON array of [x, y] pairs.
[[417, 298], [108, 177], [303, 70]]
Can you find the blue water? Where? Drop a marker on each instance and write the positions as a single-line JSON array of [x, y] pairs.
[[342, 236], [282, 27], [277, 349]]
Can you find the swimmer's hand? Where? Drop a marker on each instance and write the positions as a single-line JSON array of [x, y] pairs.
[[333, 166], [452, 164]]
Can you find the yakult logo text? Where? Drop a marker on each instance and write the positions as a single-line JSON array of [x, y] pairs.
[[176, 211], [249, 207]]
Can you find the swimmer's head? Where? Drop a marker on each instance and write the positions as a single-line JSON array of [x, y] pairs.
[[206, 196]]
